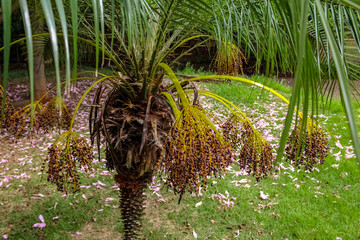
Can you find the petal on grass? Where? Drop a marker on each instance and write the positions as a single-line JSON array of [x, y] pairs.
[[41, 218], [335, 166], [263, 196], [194, 233], [39, 225]]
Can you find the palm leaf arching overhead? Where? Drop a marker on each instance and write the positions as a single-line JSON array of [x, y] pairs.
[[308, 38]]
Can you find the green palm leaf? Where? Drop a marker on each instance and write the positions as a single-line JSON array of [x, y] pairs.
[[47, 8], [343, 80], [6, 10], [30, 52], [60, 8]]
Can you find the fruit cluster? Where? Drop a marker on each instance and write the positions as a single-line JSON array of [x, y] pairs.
[[256, 155], [307, 148], [194, 152], [65, 158]]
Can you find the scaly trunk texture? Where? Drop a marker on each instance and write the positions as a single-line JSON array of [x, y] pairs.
[[132, 200]]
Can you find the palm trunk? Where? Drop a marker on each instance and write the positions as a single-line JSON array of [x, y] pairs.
[[135, 133], [40, 83], [132, 200]]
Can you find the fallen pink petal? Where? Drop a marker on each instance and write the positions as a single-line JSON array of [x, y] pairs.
[[263, 195], [194, 234], [39, 225]]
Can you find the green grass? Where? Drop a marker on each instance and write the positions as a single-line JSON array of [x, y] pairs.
[[323, 204]]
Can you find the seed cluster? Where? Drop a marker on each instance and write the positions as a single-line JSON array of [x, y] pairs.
[[309, 148], [229, 60], [256, 155], [45, 117], [232, 132], [65, 158], [194, 152], [8, 109], [51, 115]]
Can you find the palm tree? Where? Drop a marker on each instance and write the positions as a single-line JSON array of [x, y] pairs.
[[38, 22], [144, 118]]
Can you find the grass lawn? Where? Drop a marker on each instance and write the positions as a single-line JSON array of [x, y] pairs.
[[322, 204]]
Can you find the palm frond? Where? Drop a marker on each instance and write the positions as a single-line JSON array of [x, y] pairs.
[[6, 10]]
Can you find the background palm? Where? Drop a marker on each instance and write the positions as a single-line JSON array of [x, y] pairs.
[[146, 33]]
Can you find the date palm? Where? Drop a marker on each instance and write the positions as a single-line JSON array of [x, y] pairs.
[[148, 117]]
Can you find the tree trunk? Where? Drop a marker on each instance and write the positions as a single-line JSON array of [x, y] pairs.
[[40, 83], [135, 133], [132, 201]]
